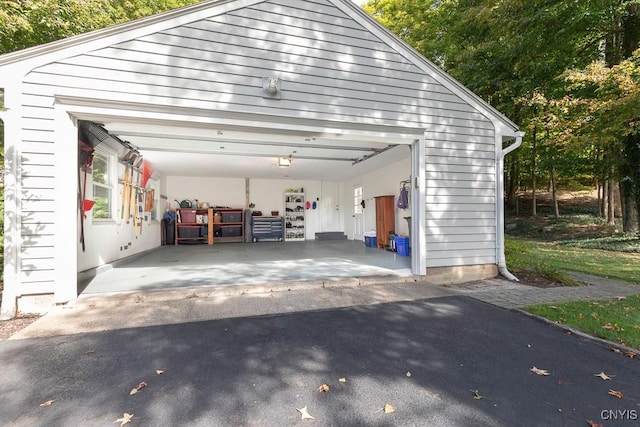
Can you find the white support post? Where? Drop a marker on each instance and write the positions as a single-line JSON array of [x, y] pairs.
[[418, 208], [66, 207]]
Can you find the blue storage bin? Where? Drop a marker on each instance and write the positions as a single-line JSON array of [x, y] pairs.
[[402, 245], [370, 241]]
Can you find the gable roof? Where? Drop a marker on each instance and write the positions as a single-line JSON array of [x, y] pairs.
[[42, 54]]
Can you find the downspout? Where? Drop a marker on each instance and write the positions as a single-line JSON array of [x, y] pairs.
[[502, 262]]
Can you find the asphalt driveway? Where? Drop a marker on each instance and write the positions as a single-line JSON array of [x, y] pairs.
[[444, 361]]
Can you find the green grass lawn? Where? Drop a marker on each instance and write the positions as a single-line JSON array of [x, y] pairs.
[[547, 246], [549, 259], [617, 320]]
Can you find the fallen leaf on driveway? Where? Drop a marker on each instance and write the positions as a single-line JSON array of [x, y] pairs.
[[408, 374], [476, 394], [126, 419], [90, 351], [304, 413], [159, 372], [616, 393], [388, 409], [323, 388], [594, 424], [542, 372], [47, 403], [603, 376], [139, 387], [615, 350], [342, 380], [630, 354]]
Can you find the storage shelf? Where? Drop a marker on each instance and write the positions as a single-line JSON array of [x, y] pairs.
[[191, 231], [294, 217], [228, 225], [213, 227]]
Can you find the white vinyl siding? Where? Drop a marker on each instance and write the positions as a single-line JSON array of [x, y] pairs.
[[460, 198], [333, 69], [37, 193]]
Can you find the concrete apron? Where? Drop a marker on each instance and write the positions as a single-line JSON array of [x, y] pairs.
[[195, 283], [135, 309]]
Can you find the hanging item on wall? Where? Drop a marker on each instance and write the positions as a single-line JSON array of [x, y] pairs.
[[147, 171], [308, 204], [314, 205], [403, 197], [85, 159], [149, 200]]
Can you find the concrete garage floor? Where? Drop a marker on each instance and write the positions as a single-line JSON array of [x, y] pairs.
[[229, 264]]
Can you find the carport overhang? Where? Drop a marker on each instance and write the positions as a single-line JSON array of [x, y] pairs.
[[172, 136]]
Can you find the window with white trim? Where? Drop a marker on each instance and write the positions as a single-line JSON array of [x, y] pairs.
[[103, 184]]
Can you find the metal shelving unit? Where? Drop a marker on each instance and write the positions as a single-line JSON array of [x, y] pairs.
[[294, 221]]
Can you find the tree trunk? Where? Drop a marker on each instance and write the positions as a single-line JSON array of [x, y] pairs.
[[632, 158], [599, 190], [630, 210], [611, 220], [556, 208], [605, 196], [617, 205], [534, 166], [513, 182], [631, 30]]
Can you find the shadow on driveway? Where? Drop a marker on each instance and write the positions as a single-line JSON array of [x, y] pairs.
[[426, 358]]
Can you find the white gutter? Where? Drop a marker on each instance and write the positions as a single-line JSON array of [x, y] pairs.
[[502, 262]]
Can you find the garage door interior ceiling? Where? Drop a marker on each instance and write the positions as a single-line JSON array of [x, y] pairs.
[[176, 150]]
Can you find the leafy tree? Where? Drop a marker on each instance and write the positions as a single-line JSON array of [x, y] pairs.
[[33, 22], [604, 107]]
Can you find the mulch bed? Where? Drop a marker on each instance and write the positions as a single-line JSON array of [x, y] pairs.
[[11, 326], [531, 279]]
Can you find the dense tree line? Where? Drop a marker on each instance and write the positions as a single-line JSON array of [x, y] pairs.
[[567, 71]]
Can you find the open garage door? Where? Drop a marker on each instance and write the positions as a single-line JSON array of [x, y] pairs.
[[251, 167]]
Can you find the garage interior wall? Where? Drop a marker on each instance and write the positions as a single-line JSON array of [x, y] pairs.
[[383, 181], [113, 239], [108, 241]]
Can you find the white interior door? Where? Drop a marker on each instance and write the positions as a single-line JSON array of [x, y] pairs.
[[357, 213], [330, 207]]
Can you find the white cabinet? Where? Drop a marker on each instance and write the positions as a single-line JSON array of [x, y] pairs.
[[294, 221]]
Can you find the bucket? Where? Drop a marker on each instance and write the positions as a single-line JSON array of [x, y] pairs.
[[402, 245], [370, 241]]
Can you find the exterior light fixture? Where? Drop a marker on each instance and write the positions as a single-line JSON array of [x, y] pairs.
[[271, 87], [284, 162]]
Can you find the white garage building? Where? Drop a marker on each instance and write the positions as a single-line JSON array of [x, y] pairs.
[[214, 95]]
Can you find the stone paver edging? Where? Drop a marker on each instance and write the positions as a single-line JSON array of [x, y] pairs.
[[509, 294]]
